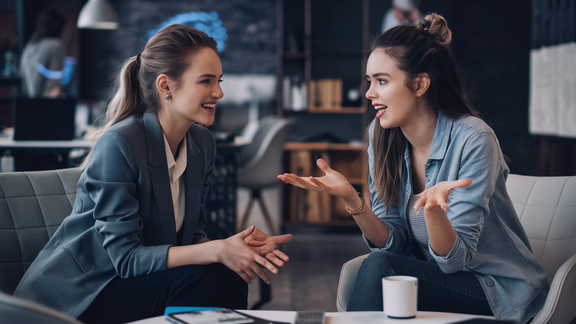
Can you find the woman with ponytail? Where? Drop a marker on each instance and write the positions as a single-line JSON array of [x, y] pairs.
[[135, 243], [439, 207]]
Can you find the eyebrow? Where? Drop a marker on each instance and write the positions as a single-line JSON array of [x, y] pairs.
[[381, 74], [209, 76]]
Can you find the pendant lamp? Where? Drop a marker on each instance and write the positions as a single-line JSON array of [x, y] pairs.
[[97, 14]]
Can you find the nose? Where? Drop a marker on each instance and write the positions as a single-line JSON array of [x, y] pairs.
[[370, 94], [217, 92]]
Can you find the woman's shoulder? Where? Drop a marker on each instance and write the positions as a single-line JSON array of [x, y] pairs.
[[471, 125], [202, 135], [130, 129]]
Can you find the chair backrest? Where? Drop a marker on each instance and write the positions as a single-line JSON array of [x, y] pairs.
[[261, 161], [32, 207], [546, 207], [17, 310]]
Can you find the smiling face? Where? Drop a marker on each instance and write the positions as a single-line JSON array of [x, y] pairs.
[[395, 102], [198, 91]]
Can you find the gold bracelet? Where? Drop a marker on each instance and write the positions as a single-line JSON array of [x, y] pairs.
[[360, 210]]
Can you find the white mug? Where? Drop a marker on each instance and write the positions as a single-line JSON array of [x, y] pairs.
[[400, 295]]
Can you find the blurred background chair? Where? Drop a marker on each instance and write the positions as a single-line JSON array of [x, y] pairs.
[[546, 207], [260, 163], [32, 207]]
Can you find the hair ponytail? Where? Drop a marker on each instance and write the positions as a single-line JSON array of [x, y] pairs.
[[168, 52]]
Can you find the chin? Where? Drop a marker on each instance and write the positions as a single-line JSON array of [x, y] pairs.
[[386, 124]]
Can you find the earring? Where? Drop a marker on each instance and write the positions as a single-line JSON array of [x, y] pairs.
[[168, 97]]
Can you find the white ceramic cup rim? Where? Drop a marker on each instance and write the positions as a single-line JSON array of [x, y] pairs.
[[400, 278]]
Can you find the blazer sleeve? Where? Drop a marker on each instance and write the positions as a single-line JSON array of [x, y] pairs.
[[112, 174]]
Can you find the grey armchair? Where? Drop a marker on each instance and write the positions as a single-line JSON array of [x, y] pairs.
[[32, 207], [546, 207], [261, 162]]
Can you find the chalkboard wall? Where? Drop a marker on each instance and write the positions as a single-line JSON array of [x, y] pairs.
[[491, 41], [250, 47]]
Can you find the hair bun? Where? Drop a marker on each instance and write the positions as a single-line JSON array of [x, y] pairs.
[[437, 26]]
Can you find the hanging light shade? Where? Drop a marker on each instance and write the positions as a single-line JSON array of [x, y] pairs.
[[98, 14]]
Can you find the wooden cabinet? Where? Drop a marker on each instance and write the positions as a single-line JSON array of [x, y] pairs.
[[322, 42], [314, 207]]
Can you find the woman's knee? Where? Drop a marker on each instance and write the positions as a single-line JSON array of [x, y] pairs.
[[379, 264]]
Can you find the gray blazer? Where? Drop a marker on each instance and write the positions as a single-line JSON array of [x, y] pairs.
[[123, 221]]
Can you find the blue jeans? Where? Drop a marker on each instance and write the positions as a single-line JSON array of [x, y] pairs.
[[458, 292], [127, 300]]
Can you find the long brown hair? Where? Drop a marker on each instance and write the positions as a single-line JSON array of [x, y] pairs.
[[423, 48], [168, 52]]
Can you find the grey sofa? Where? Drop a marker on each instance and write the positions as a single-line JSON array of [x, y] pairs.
[[32, 206], [546, 207]]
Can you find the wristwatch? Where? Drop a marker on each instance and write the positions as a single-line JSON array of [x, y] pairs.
[[360, 210]]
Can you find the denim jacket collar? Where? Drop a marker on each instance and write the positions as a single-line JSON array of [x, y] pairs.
[[441, 137]]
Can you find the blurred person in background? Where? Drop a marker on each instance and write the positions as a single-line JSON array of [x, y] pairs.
[[42, 62], [402, 12]]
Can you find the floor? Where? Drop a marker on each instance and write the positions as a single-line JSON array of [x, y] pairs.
[[308, 282]]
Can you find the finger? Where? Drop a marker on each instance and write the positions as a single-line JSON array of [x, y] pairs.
[[274, 259], [306, 184], [244, 276], [255, 243], [296, 181], [281, 255], [444, 206], [419, 204], [258, 271], [319, 184], [460, 183], [266, 264], [285, 238], [245, 233], [323, 166]]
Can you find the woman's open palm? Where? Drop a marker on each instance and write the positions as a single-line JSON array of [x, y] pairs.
[[437, 195], [333, 182]]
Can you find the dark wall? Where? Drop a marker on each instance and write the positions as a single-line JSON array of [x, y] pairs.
[[250, 47], [491, 42]]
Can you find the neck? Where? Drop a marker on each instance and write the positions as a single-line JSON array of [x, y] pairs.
[[420, 133], [173, 130]]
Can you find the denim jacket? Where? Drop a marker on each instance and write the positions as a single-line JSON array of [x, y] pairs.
[[490, 240]]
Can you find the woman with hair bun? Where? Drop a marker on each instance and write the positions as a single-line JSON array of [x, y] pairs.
[[437, 177], [135, 243]]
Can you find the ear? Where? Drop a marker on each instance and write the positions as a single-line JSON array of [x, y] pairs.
[[163, 85], [421, 84]]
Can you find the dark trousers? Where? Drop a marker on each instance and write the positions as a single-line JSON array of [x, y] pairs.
[[126, 300], [458, 292]]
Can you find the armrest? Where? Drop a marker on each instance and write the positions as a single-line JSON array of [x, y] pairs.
[[559, 305], [347, 281]]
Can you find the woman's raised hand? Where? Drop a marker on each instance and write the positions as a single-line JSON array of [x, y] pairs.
[[437, 196], [238, 256], [333, 182]]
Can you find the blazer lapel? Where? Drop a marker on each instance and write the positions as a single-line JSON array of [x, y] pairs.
[[194, 186], [159, 177]]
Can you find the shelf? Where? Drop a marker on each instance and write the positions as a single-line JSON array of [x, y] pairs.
[[356, 181]]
